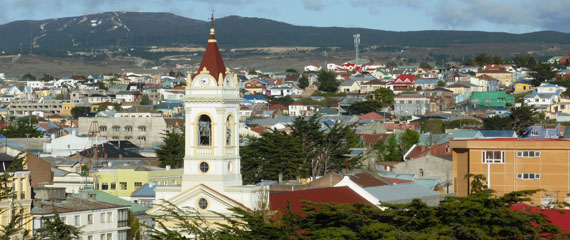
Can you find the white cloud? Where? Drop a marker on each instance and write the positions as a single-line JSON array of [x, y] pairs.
[[315, 5]]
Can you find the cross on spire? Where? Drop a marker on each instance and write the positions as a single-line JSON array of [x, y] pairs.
[[212, 18]]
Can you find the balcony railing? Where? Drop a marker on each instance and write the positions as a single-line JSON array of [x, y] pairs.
[[204, 151]]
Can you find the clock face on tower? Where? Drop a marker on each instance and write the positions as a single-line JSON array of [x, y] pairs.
[[204, 81]]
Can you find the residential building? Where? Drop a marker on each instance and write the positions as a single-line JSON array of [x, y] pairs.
[[142, 131], [404, 82], [544, 96], [441, 97], [27, 108], [97, 219], [511, 164], [505, 77], [491, 99], [312, 68], [522, 86], [20, 182], [349, 86], [429, 166], [372, 86], [410, 104], [122, 181]]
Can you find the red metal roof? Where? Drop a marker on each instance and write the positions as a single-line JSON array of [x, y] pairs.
[[366, 180], [371, 116], [212, 59], [336, 195], [558, 217]]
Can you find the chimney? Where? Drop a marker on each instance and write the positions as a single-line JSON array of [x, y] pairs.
[[167, 167], [83, 194]]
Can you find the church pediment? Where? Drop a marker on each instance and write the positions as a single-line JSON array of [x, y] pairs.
[[201, 198]]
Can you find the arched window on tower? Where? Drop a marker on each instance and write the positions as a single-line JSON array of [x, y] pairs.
[[205, 130]]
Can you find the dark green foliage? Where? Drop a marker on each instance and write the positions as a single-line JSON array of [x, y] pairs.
[[364, 107], [459, 123], [481, 215], [172, 151], [303, 82], [520, 120], [393, 153], [135, 230], [78, 112], [285, 101], [55, 229], [385, 95], [291, 70], [21, 129], [407, 140], [433, 126], [102, 108], [47, 78], [28, 77], [441, 84], [484, 59], [274, 153], [541, 72], [306, 151], [524, 61], [145, 100], [326, 81], [101, 85], [425, 65]]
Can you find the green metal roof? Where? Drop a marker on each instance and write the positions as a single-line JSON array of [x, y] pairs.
[[106, 197]]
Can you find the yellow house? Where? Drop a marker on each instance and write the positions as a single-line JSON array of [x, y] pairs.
[[42, 93], [522, 86], [123, 182], [19, 181], [505, 77], [66, 108], [511, 165]]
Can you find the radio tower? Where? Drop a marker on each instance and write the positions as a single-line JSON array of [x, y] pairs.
[[356, 43]]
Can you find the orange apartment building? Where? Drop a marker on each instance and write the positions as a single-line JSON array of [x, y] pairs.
[[512, 164]]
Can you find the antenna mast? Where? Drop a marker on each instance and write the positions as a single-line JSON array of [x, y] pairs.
[[356, 43]]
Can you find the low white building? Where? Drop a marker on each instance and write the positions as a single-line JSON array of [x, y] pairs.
[[97, 220], [67, 145], [313, 68]]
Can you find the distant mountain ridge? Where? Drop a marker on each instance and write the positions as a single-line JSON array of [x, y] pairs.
[[126, 29]]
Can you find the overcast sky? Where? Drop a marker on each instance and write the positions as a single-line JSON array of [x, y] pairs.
[[515, 16]]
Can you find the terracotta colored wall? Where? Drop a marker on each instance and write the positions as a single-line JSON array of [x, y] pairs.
[[40, 170]]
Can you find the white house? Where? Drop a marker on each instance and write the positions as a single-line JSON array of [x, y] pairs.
[[97, 220], [98, 98], [544, 96], [35, 84], [333, 67], [125, 96], [67, 145], [313, 68], [297, 109]]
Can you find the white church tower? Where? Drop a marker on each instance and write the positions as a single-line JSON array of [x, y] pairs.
[[212, 180]]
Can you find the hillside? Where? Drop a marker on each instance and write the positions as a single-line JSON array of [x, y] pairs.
[[114, 30]]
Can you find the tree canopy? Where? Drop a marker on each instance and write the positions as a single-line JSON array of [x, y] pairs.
[[172, 151], [481, 215], [541, 72], [385, 95], [145, 100], [303, 82], [520, 120], [21, 129], [78, 112], [310, 150], [326, 81], [364, 107]]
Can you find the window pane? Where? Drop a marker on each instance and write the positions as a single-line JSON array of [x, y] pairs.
[[537, 176], [519, 154], [537, 154], [525, 154], [531, 154], [519, 175], [488, 155], [531, 175], [525, 176], [497, 154]]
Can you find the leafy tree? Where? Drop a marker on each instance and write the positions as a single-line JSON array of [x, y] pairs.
[[303, 82], [385, 95], [47, 78], [145, 100], [55, 229], [172, 151], [21, 129], [117, 106], [101, 85], [78, 112], [481, 215], [135, 230], [252, 72], [285, 101], [28, 77], [102, 108], [541, 72], [326, 81], [407, 140], [425, 65], [392, 150], [291, 70], [265, 158], [459, 123], [364, 107], [441, 84], [520, 120], [433, 126]]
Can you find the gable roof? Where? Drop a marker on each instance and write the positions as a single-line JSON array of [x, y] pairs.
[[335, 195], [366, 180], [400, 192], [371, 116]]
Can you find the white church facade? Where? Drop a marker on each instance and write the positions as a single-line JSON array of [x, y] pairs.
[[212, 180]]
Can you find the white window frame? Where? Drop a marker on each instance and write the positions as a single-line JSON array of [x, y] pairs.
[[527, 154], [500, 160]]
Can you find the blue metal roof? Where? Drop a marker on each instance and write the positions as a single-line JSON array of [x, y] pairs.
[[399, 192], [144, 191]]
